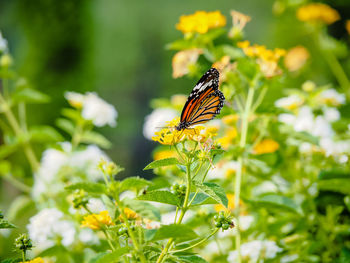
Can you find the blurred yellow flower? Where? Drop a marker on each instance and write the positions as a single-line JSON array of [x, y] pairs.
[[347, 26], [178, 100], [35, 260], [227, 139], [239, 20], [224, 66], [200, 22], [230, 206], [182, 61], [266, 146], [97, 221], [163, 154], [171, 136], [230, 119], [318, 12], [266, 58], [296, 58], [130, 214]]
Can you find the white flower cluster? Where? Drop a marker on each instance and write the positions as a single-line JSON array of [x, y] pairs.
[[47, 179], [94, 108], [3, 43], [49, 225], [156, 120], [319, 126], [254, 250]]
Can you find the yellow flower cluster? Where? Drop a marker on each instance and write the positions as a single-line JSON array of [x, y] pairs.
[[266, 146], [201, 22], [97, 221], [130, 214], [35, 260], [266, 58], [171, 136], [318, 12]]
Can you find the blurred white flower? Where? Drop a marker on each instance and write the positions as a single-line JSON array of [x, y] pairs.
[[332, 97], [305, 147], [156, 120], [254, 250], [168, 218], [222, 170], [289, 258], [322, 128], [291, 102], [333, 148], [45, 227], [88, 236], [3, 43], [265, 187], [98, 111], [96, 206], [331, 114], [304, 120], [245, 222]]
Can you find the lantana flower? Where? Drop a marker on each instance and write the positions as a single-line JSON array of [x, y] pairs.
[[296, 58], [318, 12], [290, 103], [183, 60], [201, 22], [239, 21], [266, 146], [97, 221]]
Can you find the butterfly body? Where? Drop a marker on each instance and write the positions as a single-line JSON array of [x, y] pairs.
[[204, 102]]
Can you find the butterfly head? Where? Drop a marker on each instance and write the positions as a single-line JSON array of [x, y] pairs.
[[181, 126]]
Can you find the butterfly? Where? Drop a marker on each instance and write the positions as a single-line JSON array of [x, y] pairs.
[[204, 102]]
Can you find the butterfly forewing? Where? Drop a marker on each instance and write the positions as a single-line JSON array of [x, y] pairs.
[[204, 102]]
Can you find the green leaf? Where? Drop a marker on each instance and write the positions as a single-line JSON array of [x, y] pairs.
[[344, 255], [5, 167], [161, 163], [180, 44], [135, 182], [340, 185], [277, 201], [144, 209], [110, 205], [11, 260], [44, 134], [178, 232], [191, 259], [8, 149], [106, 257], [6, 224], [91, 137], [20, 206], [214, 191], [95, 188], [65, 125], [202, 199], [160, 196], [29, 95], [334, 174]]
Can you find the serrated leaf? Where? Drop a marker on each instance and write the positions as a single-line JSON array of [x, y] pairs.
[[202, 199], [144, 209], [65, 125], [134, 182], [160, 196], [29, 95], [6, 224], [44, 134], [214, 191], [91, 137], [277, 201], [106, 257], [161, 163], [178, 232], [95, 188]]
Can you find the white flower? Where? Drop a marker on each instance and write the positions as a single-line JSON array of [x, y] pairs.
[[290, 102], [245, 222], [305, 147], [47, 225], [322, 128], [96, 206], [3, 43], [156, 120], [332, 97], [304, 120], [223, 169], [254, 250], [88, 236], [331, 114], [333, 148], [98, 111], [287, 118], [289, 258], [74, 98], [265, 187]]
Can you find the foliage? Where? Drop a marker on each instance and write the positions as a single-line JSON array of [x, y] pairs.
[[267, 181]]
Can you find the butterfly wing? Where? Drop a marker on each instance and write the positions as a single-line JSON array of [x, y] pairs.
[[205, 101]]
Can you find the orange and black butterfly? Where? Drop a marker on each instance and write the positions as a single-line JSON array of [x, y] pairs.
[[204, 102]]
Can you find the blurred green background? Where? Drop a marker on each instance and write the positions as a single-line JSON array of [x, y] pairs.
[[117, 48]]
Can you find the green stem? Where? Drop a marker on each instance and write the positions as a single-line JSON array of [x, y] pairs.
[[24, 255], [108, 239], [18, 184], [76, 137], [28, 151], [183, 212], [198, 243], [338, 72], [260, 99], [243, 140]]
